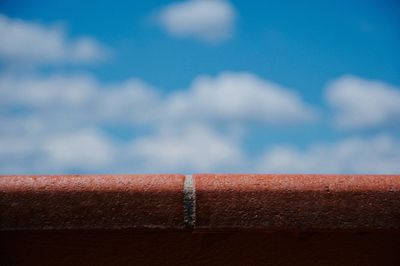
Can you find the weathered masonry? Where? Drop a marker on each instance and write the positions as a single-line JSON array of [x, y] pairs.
[[200, 219]]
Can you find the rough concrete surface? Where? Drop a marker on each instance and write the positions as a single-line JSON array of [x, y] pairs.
[[297, 202], [91, 201]]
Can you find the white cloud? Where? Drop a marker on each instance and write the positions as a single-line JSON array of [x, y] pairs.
[[42, 93], [85, 149], [79, 99], [45, 121], [362, 104], [238, 97], [132, 101], [82, 149], [55, 124], [207, 20], [189, 148], [379, 155], [32, 43], [229, 98]]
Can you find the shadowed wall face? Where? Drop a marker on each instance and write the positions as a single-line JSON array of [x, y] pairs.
[[180, 248]]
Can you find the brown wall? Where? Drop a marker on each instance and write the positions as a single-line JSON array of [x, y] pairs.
[[186, 248]]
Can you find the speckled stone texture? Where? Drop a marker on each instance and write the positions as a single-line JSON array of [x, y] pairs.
[[91, 202], [221, 202], [298, 202]]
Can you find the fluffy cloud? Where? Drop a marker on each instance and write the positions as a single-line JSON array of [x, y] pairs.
[[45, 120], [207, 20], [191, 148], [239, 97], [132, 101], [79, 99], [362, 104], [43, 93], [85, 149], [55, 124], [227, 98], [377, 155], [32, 43]]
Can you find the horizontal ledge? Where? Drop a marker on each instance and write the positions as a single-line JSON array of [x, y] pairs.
[[202, 202]]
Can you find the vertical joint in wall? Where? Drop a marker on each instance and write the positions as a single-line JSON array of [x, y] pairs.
[[189, 203]]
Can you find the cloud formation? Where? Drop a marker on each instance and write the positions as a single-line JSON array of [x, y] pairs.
[[33, 43], [83, 149], [226, 98], [240, 98], [57, 151], [79, 99], [210, 21], [193, 147], [373, 155], [363, 104], [56, 124], [59, 120]]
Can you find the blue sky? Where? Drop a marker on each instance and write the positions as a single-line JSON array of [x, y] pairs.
[[200, 86]]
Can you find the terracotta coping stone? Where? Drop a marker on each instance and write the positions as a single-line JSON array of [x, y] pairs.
[[202, 202], [298, 202], [91, 202]]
